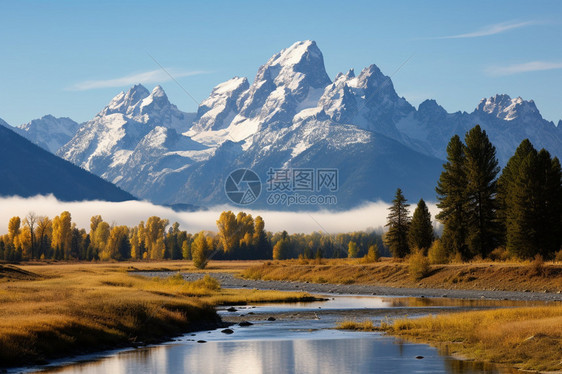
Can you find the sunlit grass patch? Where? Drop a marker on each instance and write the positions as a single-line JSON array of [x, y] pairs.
[[366, 325], [516, 276], [530, 338], [248, 296]]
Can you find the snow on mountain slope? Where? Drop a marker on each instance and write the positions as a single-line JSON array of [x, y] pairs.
[[100, 142], [218, 110], [371, 166], [292, 115], [48, 132], [507, 122], [160, 151], [152, 108], [133, 122]]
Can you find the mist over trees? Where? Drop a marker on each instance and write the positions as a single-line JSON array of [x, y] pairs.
[[239, 236], [517, 214]]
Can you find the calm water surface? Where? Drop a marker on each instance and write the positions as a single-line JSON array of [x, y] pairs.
[[301, 340]]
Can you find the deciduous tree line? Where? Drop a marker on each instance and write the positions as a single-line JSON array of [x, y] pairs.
[[59, 239], [238, 236]]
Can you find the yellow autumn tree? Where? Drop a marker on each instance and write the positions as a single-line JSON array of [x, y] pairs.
[[227, 231], [154, 237], [200, 250], [30, 221], [118, 246], [100, 237], [14, 227], [245, 228], [94, 222], [62, 235], [24, 242]]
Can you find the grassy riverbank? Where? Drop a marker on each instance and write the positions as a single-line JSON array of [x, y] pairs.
[[48, 311], [524, 276], [527, 338]]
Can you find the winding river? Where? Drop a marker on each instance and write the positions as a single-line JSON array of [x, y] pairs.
[[293, 338]]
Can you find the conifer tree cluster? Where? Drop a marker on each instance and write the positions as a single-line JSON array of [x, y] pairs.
[[467, 195], [406, 233], [519, 210], [530, 203]]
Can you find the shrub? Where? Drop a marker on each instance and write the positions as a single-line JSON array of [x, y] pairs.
[[176, 279], [372, 255], [255, 272], [536, 267], [457, 258], [437, 253], [418, 267], [499, 254], [207, 283]]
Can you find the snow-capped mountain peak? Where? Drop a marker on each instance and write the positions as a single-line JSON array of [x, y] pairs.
[[284, 81], [158, 91], [372, 78], [151, 108], [126, 102], [292, 115], [302, 60], [217, 111], [49, 132], [508, 109]]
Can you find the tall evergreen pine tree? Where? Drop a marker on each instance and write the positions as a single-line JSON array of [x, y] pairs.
[[420, 234], [551, 219], [451, 193], [396, 239], [530, 195], [481, 171], [506, 187]]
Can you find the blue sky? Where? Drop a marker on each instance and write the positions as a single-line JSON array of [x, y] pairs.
[[69, 58]]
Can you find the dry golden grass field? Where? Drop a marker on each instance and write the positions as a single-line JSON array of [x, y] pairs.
[[52, 310], [48, 310], [516, 276], [527, 338]]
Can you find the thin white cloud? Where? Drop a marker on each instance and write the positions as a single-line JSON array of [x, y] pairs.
[[153, 76], [497, 28], [524, 68]]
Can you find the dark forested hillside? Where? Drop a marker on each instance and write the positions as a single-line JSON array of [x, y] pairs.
[[28, 170]]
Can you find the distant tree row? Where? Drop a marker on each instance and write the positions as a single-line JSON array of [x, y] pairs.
[[59, 239], [322, 245], [238, 237]]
